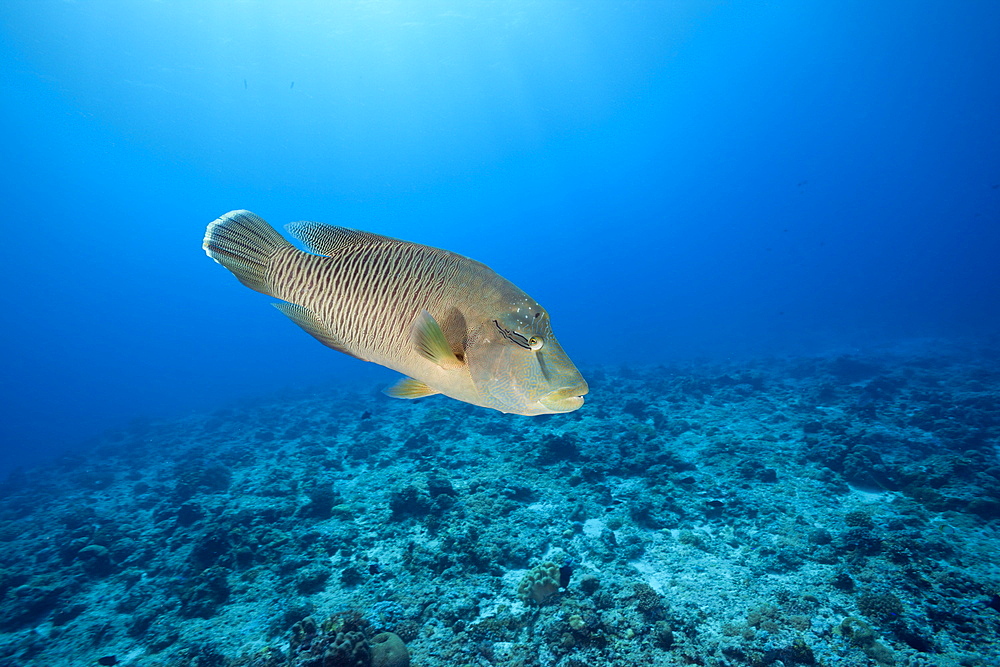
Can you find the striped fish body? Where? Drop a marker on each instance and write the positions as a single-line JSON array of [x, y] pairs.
[[449, 323]]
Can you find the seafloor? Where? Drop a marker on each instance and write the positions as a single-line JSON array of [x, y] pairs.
[[831, 510]]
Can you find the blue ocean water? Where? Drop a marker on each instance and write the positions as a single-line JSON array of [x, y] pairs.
[[670, 179]]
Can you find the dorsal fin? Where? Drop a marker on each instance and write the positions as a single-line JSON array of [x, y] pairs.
[[330, 239]]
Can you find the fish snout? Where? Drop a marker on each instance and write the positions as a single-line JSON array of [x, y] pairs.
[[566, 399]]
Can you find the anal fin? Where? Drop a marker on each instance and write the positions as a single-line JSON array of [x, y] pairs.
[[410, 388], [314, 326]]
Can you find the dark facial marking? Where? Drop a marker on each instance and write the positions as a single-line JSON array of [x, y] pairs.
[[513, 336]]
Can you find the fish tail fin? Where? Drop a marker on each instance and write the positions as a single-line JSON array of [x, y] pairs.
[[244, 243]]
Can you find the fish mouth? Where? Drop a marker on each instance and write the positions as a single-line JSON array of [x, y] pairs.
[[566, 399]]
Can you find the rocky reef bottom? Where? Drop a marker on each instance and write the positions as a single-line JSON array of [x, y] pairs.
[[833, 510]]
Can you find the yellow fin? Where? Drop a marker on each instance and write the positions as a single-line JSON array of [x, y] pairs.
[[410, 388], [432, 344]]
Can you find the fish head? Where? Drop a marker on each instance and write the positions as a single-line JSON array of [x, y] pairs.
[[518, 366]]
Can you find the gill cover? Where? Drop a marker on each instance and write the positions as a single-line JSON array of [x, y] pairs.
[[516, 363]]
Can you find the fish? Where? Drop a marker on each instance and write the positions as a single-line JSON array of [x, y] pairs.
[[450, 324]]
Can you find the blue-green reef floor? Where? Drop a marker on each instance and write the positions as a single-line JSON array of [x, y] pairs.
[[836, 510]]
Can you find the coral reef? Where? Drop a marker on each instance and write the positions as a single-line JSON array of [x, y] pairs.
[[388, 650], [540, 583], [835, 510]]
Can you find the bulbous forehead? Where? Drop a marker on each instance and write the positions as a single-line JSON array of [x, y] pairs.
[[526, 313]]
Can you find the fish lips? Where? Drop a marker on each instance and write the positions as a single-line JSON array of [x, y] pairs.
[[566, 399]]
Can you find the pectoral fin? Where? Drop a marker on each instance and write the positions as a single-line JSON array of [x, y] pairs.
[[431, 343], [410, 388]]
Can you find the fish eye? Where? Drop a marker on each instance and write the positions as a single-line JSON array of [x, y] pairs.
[[536, 342]]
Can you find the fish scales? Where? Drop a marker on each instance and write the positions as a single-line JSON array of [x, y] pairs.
[[368, 295], [452, 324]]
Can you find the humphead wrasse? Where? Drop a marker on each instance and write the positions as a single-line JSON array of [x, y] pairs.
[[451, 324]]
